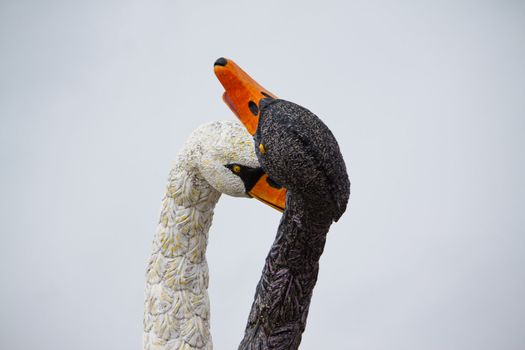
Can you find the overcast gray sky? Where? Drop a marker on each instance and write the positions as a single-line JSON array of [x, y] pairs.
[[426, 98]]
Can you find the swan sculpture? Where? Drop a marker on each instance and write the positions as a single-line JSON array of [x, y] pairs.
[[298, 151], [218, 158]]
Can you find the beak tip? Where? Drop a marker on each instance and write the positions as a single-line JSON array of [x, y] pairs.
[[221, 61]]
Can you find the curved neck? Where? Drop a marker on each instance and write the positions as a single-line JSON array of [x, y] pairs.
[[176, 298], [282, 298]]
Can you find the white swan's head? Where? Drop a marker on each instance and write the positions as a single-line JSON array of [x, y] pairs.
[[222, 143], [223, 154]]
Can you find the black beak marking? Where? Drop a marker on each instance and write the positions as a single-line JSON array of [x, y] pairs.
[[220, 62], [253, 108]]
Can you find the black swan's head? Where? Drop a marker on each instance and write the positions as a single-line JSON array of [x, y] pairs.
[[298, 151]]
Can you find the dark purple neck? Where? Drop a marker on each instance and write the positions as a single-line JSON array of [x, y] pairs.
[[282, 298]]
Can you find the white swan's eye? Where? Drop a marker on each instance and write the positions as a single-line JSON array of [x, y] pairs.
[[236, 169]]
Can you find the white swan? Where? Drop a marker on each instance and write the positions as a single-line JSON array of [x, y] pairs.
[[218, 158]]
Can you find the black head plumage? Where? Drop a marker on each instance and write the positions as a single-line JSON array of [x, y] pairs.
[[302, 154]]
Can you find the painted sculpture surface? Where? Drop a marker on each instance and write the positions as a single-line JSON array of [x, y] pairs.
[[218, 158], [298, 151]]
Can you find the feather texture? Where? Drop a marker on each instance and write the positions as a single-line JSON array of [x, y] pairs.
[[176, 307]]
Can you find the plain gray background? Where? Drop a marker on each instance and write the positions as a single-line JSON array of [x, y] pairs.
[[426, 98]]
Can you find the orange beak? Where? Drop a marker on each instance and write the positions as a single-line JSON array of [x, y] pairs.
[[269, 193], [242, 93]]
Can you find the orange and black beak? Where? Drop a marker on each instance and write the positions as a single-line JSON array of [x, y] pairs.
[[259, 186], [242, 93]]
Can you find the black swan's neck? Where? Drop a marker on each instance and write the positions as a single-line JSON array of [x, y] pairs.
[[282, 298]]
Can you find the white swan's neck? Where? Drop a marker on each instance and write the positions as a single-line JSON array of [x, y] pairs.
[[176, 301]]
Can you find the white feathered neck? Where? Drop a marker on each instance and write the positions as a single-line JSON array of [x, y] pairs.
[[177, 312]]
